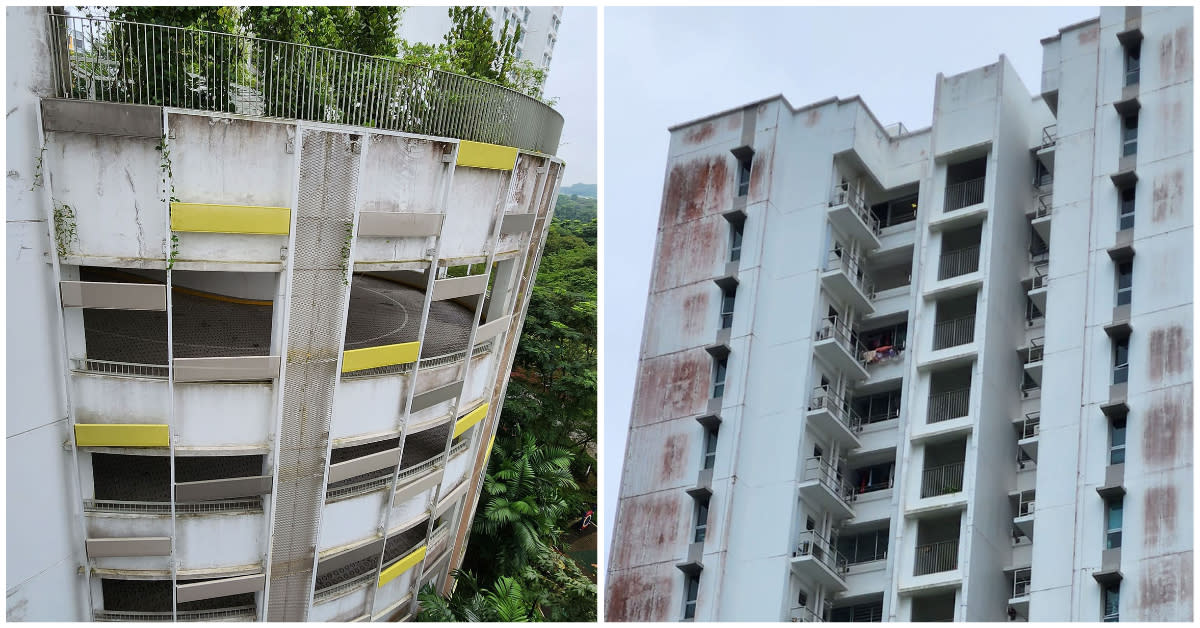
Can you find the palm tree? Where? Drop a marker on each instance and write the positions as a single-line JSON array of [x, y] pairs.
[[504, 603]]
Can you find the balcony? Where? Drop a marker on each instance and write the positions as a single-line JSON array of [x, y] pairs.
[[824, 486], [1031, 358], [958, 262], [257, 77], [964, 194], [1019, 602], [832, 415], [816, 559], [805, 614], [851, 214], [947, 405], [942, 480], [1027, 436], [954, 332], [936, 557], [246, 613], [844, 278], [1023, 520], [836, 344]]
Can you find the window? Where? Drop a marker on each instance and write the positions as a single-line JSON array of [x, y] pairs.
[[735, 242], [883, 406], [744, 157], [864, 547], [691, 586], [1113, 518], [876, 477], [728, 298], [1133, 63], [896, 211], [710, 448], [1121, 361], [1129, 133], [809, 523], [1125, 282], [1041, 174], [1125, 220], [866, 612], [1112, 602], [719, 379], [701, 521], [1116, 437]]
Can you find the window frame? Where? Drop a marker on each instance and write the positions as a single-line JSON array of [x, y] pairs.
[[1117, 431], [710, 447], [745, 165], [1129, 134], [735, 242], [691, 591], [720, 368], [728, 305], [1120, 366], [1110, 600], [1124, 294], [1133, 63], [700, 527], [1112, 535], [1126, 207]]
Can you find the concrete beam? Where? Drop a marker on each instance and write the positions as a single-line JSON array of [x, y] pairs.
[[114, 296], [102, 118], [392, 224]]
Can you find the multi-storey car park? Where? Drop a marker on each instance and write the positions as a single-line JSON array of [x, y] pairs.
[[263, 303], [932, 375]]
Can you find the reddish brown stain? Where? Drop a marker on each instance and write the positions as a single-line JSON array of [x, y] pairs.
[[699, 135], [634, 597], [1165, 588], [648, 530], [1167, 425], [761, 172], [1168, 195], [695, 313], [674, 457], [690, 252], [521, 184], [694, 188], [672, 386], [1089, 34], [1169, 351], [1175, 55], [1161, 512], [735, 121], [813, 117]]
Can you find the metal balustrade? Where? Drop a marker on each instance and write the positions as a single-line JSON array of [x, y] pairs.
[[418, 469], [805, 614], [1031, 426], [950, 404], [1035, 351], [1045, 205], [823, 398], [188, 68], [361, 487], [958, 262], [856, 199], [954, 332], [964, 194], [236, 613], [249, 504], [1021, 582], [1049, 136], [1025, 505], [350, 585], [120, 369], [1041, 276], [936, 557], [942, 480], [459, 448], [826, 474], [426, 363], [837, 329], [852, 269], [817, 546]]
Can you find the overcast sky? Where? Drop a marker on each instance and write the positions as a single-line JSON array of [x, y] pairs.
[[573, 81], [664, 66]]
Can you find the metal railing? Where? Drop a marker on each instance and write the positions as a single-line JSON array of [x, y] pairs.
[[1049, 136], [249, 504], [1021, 580], [837, 329], [188, 68], [805, 614], [236, 613], [856, 199], [815, 545], [950, 404], [823, 398], [1031, 426], [417, 470], [1025, 505], [1045, 205], [850, 267], [964, 194], [439, 536], [826, 474], [344, 587], [459, 448], [1041, 276], [120, 369], [361, 487], [942, 480], [1035, 351], [426, 363], [936, 557], [954, 332], [958, 262]]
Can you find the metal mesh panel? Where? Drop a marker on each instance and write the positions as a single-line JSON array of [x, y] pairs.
[[199, 468], [121, 477], [424, 445], [328, 178]]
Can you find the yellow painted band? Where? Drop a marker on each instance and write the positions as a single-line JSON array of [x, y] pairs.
[[387, 355], [402, 565], [209, 218], [122, 435], [490, 156], [491, 442], [470, 419]]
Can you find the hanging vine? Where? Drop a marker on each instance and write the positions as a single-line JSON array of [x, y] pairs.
[[345, 266], [37, 169], [65, 233]]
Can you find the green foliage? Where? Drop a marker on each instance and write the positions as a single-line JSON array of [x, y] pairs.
[[575, 207], [174, 254], [472, 49], [37, 169], [65, 233], [507, 601]]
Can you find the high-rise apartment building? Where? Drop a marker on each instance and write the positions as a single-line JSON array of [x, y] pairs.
[[539, 28], [930, 375], [263, 300]]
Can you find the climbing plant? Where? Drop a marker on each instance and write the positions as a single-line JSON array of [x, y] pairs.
[[64, 228]]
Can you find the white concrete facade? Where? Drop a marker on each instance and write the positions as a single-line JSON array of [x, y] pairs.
[[316, 452], [880, 447]]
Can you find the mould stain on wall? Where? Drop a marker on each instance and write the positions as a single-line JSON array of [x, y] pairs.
[[694, 188], [674, 458], [634, 597], [1175, 55], [690, 252], [1167, 195], [1167, 436], [672, 386], [700, 134], [1170, 351], [650, 527], [1165, 587]]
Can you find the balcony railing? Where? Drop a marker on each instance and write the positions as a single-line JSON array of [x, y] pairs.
[[426, 363], [417, 470], [1021, 580], [815, 545], [236, 613], [838, 329], [344, 587], [1049, 136], [936, 557], [805, 614], [459, 448], [1035, 351], [854, 196], [822, 397], [954, 332], [849, 265], [819, 469], [120, 369], [1041, 276], [188, 68], [958, 262], [249, 504], [942, 480], [361, 487], [1031, 426], [950, 404], [1045, 204], [964, 194], [1025, 505]]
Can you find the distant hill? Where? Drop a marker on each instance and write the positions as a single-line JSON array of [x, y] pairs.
[[575, 208], [579, 189]]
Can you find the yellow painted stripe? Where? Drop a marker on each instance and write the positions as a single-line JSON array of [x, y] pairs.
[[402, 565], [490, 156], [209, 218], [122, 435], [387, 355], [491, 442], [470, 419]]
